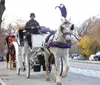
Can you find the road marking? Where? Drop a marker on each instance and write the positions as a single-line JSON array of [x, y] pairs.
[[2, 82]]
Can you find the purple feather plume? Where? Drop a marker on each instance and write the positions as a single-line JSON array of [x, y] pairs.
[[63, 10]]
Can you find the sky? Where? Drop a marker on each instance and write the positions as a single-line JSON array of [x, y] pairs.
[[46, 14]]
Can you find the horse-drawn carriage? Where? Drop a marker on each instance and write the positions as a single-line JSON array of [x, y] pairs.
[[42, 51], [30, 57]]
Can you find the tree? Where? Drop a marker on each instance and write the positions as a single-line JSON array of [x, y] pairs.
[[85, 44], [2, 9], [11, 28], [2, 41], [86, 26], [90, 43], [14, 25]]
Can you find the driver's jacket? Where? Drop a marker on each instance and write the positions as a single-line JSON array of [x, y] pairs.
[[32, 23]]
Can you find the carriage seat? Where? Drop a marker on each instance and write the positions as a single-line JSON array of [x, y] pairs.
[[45, 30]]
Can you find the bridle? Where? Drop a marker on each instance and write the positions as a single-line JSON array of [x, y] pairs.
[[65, 33]]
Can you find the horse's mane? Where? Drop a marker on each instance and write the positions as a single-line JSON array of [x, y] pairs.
[[59, 30]]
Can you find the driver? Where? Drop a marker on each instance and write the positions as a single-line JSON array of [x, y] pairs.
[[33, 24], [33, 27]]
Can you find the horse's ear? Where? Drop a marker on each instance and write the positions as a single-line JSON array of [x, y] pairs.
[[63, 19]]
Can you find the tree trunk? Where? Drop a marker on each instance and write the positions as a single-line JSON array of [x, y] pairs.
[[2, 9]]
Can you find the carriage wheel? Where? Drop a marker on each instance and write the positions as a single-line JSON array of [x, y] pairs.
[[27, 63], [18, 71], [17, 68]]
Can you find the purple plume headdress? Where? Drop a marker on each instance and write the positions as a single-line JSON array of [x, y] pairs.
[[63, 10]]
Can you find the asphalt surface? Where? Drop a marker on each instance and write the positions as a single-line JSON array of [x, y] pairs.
[[93, 65], [11, 78]]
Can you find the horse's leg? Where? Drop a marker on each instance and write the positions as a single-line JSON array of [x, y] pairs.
[[7, 59], [6, 64], [10, 61], [13, 62], [46, 65], [66, 60], [56, 75]]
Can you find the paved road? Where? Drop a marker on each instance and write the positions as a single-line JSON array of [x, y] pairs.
[[11, 78], [86, 65]]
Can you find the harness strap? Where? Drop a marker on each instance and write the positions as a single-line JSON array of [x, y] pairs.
[[49, 51], [47, 43], [53, 37]]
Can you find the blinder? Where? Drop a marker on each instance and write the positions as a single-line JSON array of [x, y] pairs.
[[62, 28], [72, 27]]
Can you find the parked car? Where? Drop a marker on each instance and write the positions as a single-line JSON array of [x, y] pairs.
[[98, 54], [74, 56], [1, 58], [91, 58], [81, 57], [97, 57], [78, 57]]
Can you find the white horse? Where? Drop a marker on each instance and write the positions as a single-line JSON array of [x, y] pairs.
[[61, 37]]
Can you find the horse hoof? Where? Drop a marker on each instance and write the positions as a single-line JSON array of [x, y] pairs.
[[10, 68], [54, 79], [47, 79], [58, 83], [64, 75]]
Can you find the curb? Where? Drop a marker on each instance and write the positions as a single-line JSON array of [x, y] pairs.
[[2, 82]]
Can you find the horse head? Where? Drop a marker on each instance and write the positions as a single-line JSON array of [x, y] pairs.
[[66, 26], [65, 29]]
